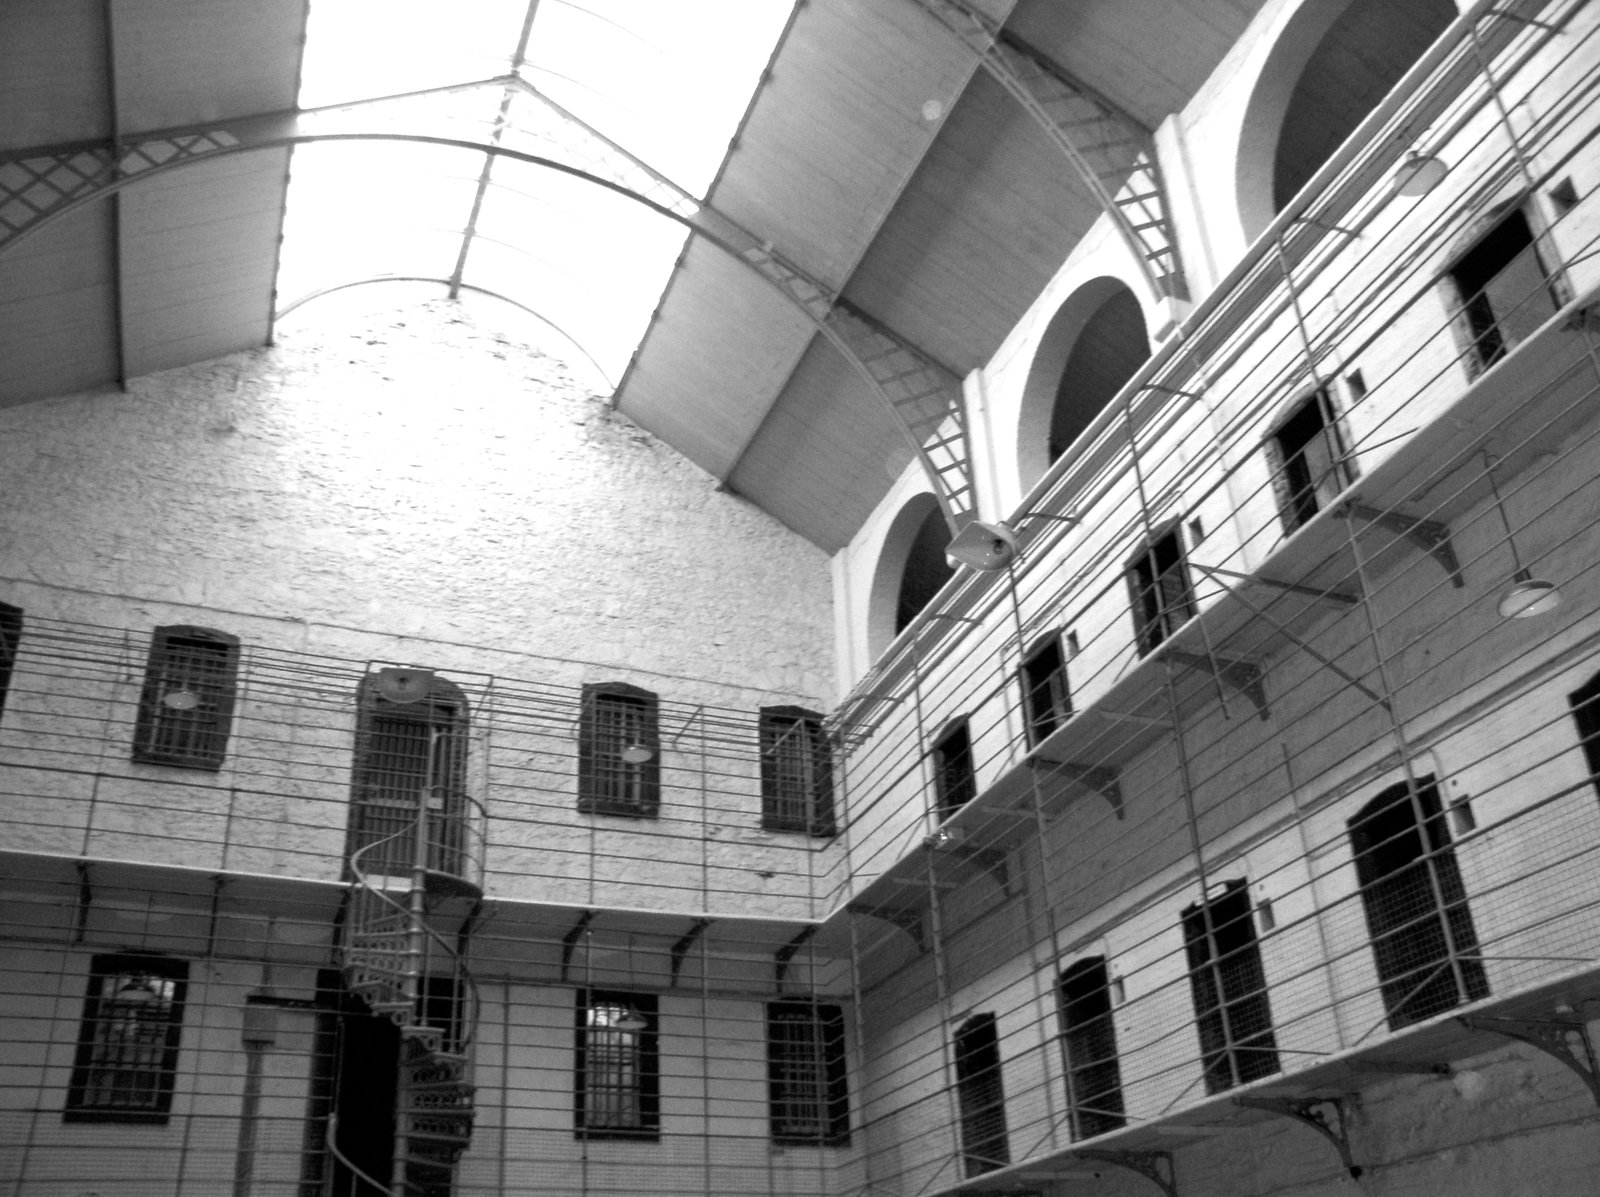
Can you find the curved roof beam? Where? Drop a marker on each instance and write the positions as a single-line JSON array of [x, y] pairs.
[[41, 184], [1112, 153]]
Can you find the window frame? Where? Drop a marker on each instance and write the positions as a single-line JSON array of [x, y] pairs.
[[951, 794], [796, 772], [824, 1059], [10, 646], [1299, 494], [1228, 984], [1165, 602], [1400, 886], [157, 725], [385, 754], [981, 1096], [1089, 1048], [645, 1067], [1040, 719], [1482, 332], [602, 773], [160, 1071], [1585, 704]]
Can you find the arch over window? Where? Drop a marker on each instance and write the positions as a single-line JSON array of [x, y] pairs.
[[409, 771], [1333, 62], [911, 569], [1094, 343]]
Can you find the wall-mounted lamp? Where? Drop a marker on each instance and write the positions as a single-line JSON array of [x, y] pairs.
[[1527, 595], [984, 547], [636, 753], [945, 837], [1419, 174], [988, 547]]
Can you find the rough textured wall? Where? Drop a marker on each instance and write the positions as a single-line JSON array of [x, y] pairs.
[[418, 474]]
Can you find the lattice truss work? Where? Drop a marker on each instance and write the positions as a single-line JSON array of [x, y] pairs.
[[1111, 152]]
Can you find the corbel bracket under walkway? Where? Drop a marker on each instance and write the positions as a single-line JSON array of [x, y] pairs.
[[1430, 536], [1313, 1112], [1154, 1166], [1563, 1037]]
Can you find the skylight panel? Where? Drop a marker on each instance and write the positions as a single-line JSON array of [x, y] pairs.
[[667, 82]]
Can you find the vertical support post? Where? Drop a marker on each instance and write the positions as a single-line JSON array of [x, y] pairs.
[[1501, 111], [941, 984]]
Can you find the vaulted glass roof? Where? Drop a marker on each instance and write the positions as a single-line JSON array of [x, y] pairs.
[[668, 83]]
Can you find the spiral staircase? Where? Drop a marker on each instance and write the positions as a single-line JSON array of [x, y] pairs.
[[404, 943]]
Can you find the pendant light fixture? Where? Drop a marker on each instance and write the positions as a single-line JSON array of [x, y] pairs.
[[1527, 596]]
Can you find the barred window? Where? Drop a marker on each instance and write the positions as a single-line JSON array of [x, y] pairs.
[[796, 772], [128, 1042], [1310, 465], [1229, 988], [1158, 579], [954, 783], [1423, 940], [10, 640], [1046, 699], [980, 1093], [410, 770], [1089, 1043], [186, 706], [619, 752], [617, 1081], [806, 1074]]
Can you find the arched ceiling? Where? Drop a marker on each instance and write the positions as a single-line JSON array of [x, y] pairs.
[[872, 153]]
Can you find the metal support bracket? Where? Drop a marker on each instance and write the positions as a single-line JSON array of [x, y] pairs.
[[1430, 536], [685, 942], [1103, 779], [782, 957], [1154, 1166], [569, 941], [1563, 1038], [1243, 676], [217, 883], [907, 918], [994, 861], [80, 915], [1313, 1112]]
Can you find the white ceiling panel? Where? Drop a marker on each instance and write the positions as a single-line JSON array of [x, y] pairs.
[[53, 68], [57, 310], [720, 350], [183, 62], [199, 246]]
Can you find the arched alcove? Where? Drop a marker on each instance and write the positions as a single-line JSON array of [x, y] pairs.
[[1094, 343], [1332, 64], [911, 569]]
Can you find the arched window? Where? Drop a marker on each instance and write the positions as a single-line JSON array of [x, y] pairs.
[[1332, 64], [1094, 343], [1416, 905], [1089, 1045], [911, 569], [409, 772], [926, 569]]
